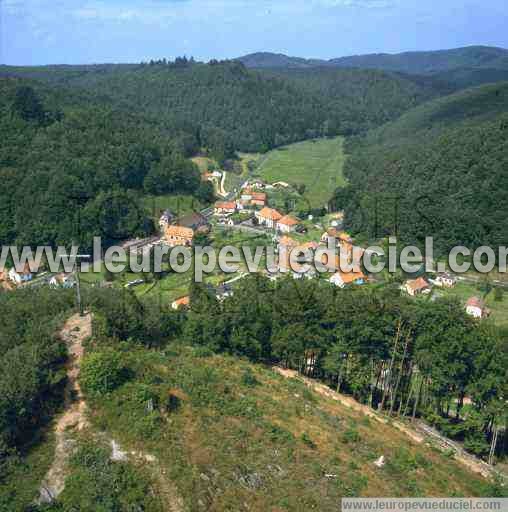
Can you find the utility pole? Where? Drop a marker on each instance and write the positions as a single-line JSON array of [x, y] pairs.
[[76, 267], [78, 282]]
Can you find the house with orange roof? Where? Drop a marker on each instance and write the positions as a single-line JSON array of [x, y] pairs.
[[417, 286], [304, 255], [224, 207], [268, 217], [181, 303], [178, 235], [341, 237], [258, 199], [343, 279], [287, 224]]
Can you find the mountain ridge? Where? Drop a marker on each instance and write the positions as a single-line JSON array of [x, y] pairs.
[[423, 62]]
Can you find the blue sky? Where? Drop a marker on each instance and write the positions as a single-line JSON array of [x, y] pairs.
[[87, 31]]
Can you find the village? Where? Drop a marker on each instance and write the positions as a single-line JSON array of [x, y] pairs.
[[249, 211]]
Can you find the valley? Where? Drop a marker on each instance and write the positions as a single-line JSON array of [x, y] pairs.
[[272, 389]]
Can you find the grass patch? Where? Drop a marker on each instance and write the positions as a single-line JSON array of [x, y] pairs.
[[236, 436], [463, 291], [317, 164], [178, 204]]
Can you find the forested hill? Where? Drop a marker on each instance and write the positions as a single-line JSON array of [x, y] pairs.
[[361, 99], [77, 138], [484, 57], [193, 393], [267, 60], [443, 168], [472, 105], [459, 68], [418, 63], [72, 168], [230, 107]]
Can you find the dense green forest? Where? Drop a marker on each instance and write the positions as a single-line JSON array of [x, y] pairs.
[[31, 372], [471, 106], [80, 145], [362, 99], [75, 172], [231, 108], [441, 170]]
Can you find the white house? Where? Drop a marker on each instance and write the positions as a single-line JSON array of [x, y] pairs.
[[20, 277], [475, 307], [166, 219], [62, 280], [287, 224], [224, 207], [445, 280], [181, 303], [268, 217], [246, 196]]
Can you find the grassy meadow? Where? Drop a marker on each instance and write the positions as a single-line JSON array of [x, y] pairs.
[[317, 164]]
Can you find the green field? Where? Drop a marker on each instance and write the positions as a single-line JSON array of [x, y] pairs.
[[499, 309], [317, 164]]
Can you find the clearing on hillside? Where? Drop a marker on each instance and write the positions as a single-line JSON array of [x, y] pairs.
[[230, 435], [317, 164]]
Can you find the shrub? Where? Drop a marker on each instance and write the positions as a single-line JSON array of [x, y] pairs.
[[279, 435], [351, 435], [476, 443], [102, 372], [96, 483], [249, 379], [308, 441]]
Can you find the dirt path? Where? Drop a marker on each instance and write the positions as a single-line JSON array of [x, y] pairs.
[[419, 433], [74, 419], [221, 190], [76, 330]]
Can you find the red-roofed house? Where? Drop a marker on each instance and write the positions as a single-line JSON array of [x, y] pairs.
[[287, 224], [268, 217], [182, 302], [475, 307], [258, 199], [342, 279], [178, 235], [222, 207], [417, 286]]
